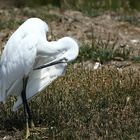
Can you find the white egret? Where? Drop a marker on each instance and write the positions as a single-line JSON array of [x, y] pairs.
[[29, 63]]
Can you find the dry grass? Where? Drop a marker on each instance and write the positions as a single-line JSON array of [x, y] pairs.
[[85, 104]]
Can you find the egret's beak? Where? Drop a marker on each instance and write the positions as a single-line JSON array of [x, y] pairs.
[[64, 60]]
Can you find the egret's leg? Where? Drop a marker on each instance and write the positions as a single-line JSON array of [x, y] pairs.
[[28, 117], [27, 113]]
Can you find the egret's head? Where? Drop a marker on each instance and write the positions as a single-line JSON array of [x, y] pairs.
[[71, 49], [67, 52]]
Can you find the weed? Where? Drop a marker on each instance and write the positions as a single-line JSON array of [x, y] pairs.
[[103, 51], [136, 59], [90, 7], [10, 24], [40, 12]]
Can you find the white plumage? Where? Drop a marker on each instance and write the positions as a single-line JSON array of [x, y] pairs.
[[27, 49]]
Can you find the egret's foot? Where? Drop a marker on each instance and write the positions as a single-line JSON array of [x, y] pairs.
[[32, 131], [27, 134], [36, 129], [27, 131], [32, 126]]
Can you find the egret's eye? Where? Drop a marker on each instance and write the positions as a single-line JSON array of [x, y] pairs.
[[65, 60]]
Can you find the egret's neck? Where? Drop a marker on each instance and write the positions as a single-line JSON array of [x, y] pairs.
[[65, 47], [68, 47]]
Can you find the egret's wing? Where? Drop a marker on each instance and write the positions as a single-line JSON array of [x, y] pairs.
[[16, 62], [39, 79]]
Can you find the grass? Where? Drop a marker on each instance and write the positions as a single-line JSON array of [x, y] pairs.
[[85, 104], [103, 51], [10, 24], [18, 16], [90, 7]]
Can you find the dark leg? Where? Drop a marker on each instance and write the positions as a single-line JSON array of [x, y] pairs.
[[27, 113]]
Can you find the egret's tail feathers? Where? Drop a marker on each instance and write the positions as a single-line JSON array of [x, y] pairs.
[[16, 105], [2, 93], [2, 99], [39, 79]]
